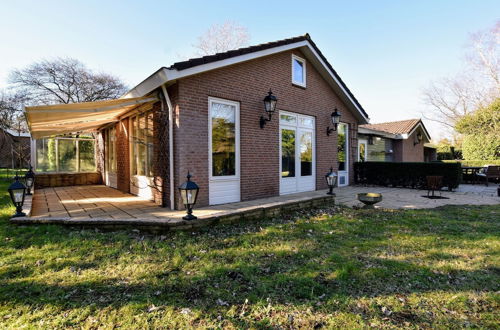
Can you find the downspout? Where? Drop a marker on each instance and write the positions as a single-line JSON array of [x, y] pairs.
[[170, 145]]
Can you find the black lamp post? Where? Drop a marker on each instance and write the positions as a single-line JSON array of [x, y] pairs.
[[269, 106], [17, 192], [189, 194], [335, 117], [29, 180], [331, 180]]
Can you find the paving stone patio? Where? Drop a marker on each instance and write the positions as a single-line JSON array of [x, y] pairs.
[[104, 206]]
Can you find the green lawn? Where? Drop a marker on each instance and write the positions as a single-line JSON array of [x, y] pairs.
[[329, 268]]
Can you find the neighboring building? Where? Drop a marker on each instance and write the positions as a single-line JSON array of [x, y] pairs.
[[430, 153], [397, 141], [203, 116], [14, 149]]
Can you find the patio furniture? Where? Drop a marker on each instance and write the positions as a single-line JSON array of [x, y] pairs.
[[469, 173], [434, 182], [369, 199], [490, 172]]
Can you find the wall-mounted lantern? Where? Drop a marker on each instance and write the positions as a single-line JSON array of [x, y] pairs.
[[17, 192], [418, 138], [335, 118], [189, 194], [331, 181], [269, 106], [29, 180], [370, 140]]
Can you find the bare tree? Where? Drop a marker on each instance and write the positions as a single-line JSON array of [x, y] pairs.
[[62, 80], [222, 37], [449, 99], [484, 54], [65, 80], [11, 104]]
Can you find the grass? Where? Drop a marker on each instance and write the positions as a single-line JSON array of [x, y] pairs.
[[329, 268]]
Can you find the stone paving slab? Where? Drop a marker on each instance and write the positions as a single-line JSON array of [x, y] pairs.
[[115, 210], [107, 207]]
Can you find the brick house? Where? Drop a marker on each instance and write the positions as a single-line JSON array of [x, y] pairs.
[[397, 141], [203, 116]]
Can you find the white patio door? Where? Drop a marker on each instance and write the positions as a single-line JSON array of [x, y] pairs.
[[362, 151], [224, 151], [343, 154], [297, 153]]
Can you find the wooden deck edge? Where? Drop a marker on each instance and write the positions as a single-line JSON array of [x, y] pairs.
[[172, 224]]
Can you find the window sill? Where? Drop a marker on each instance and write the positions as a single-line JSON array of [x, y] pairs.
[[299, 85]]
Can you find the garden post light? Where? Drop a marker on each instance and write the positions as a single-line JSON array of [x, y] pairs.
[[17, 192], [335, 118], [331, 180], [29, 180], [189, 194], [269, 106]]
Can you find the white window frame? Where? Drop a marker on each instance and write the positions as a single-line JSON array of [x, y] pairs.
[[133, 161], [236, 176], [345, 172], [107, 143], [297, 126], [303, 61]]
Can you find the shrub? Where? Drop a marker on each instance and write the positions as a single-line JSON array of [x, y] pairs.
[[485, 146], [447, 152], [407, 174], [475, 162]]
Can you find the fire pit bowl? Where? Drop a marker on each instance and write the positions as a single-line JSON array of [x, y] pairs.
[[369, 199]]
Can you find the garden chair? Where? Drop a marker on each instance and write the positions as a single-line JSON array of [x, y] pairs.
[[490, 172], [434, 182]]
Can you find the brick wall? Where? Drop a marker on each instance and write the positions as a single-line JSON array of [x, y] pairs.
[[248, 83], [413, 152], [406, 151]]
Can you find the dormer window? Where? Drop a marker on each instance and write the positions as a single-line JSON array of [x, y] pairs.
[[298, 71]]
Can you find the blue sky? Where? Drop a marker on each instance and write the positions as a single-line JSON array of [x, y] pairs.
[[386, 51]]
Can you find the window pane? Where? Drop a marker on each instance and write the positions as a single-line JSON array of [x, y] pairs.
[[362, 151], [134, 146], [112, 149], [142, 156], [286, 119], [150, 143], [298, 71], [287, 153], [223, 139], [46, 155], [307, 122], [306, 154], [67, 155], [87, 152], [342, 146]]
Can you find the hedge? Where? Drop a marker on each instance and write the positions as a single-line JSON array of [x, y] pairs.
[[412, 175], [475, 162]]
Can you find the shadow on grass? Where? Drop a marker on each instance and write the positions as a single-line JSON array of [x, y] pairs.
[[333, 258]]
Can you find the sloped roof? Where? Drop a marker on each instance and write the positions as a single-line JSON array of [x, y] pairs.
[[211, 62], [394, 127], [236, 52]]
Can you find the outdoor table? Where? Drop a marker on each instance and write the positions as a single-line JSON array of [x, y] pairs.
[[472, 171]]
